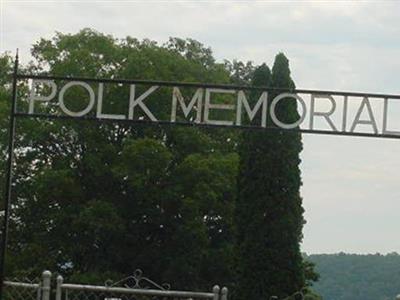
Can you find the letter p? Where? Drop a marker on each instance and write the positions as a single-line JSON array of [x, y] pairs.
[[35, 97]]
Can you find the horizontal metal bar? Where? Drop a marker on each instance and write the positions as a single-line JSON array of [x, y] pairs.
[[207, 85], [202, 125], [22, 284], [147, 292]]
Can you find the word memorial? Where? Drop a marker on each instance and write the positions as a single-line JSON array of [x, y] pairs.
[[216, 105]]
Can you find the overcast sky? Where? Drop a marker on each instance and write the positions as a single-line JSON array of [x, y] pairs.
[[351, 185]]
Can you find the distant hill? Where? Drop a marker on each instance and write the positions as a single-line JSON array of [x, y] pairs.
[[357, 277]]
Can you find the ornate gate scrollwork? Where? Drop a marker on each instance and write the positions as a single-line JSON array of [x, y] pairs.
[[138, 281]]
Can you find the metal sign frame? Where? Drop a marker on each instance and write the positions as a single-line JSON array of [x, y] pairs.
[[14, 114]]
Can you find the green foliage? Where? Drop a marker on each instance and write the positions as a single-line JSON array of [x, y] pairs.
[[240, 73], [356, 277], [310, 274], [5, 96], [311, 295], [94, 199], [5, 70], [97, 201], [269, 211]]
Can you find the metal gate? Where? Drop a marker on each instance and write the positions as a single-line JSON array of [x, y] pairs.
[[135, 287], [25, 289]]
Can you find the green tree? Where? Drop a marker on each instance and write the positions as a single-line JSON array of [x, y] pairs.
[[100, 200], [96, 201], [269, 211], [357, 276], [5, 97], [309, 294], [240, 72]]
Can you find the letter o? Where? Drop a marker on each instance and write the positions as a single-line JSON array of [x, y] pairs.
[[284, 125], [80, 113]]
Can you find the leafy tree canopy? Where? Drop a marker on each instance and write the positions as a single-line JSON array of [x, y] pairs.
[[96, 201]]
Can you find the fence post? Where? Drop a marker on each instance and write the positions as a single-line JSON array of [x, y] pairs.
[[216, 292], [224, 293], [60, 281], [46, 281]]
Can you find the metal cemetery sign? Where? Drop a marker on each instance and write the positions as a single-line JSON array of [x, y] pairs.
[[324, 112], [194, 104]]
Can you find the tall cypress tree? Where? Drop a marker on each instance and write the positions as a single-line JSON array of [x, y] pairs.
[[269, 209]]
